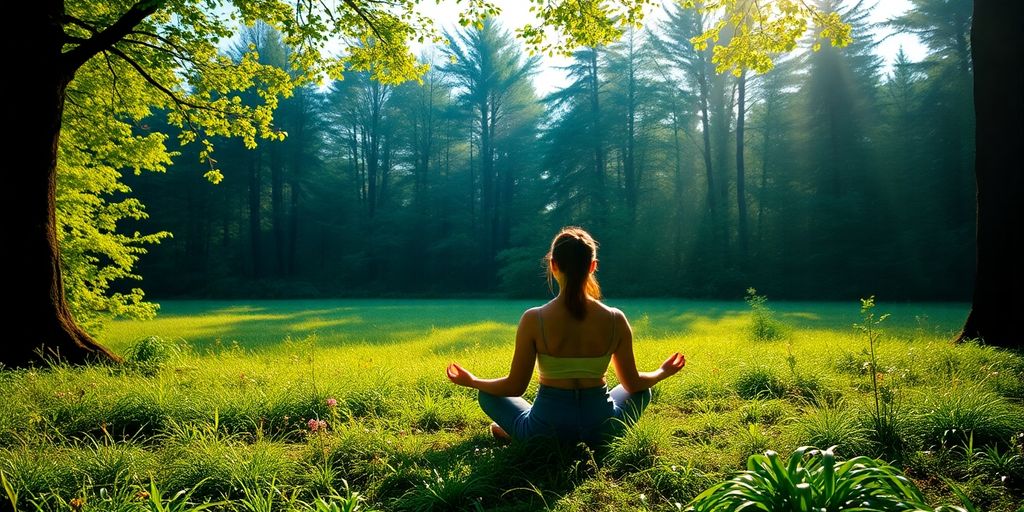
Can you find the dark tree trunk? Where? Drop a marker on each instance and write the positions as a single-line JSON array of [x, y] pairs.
[[706, 132], [600, 165], [295, 189], [43, 326], [255, 224], [486, 179], [741, 199], [277, 204], [997, 43], [629, 157], [680, 226]]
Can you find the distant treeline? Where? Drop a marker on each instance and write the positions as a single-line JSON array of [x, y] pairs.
[[827, 177]]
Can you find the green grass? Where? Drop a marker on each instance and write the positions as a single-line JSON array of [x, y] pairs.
[[218, 405]]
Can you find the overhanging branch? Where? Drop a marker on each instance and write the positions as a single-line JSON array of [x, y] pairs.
[[105, 39]]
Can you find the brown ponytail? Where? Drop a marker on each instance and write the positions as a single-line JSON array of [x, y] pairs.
[[573, 249]]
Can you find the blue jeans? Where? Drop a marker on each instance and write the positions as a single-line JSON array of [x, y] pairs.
[[590, 415]]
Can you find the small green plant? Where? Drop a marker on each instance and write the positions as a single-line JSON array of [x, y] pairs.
[[764, 326], [456, 490], [9, 490], [180, 502], [812, 479], [752, 440], [1006, 465], [886, 416], [147, 355], [639, 445], [834, 426], [945, 419], [766, 412], [759, 381]]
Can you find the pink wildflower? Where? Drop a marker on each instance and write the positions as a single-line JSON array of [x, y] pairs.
[[332, 402], [316, 425]]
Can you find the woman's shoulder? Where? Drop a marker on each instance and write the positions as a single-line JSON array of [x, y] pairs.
[[531, 314], [610, 310]]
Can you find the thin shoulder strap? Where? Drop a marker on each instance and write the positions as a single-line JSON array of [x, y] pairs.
[[543, 336], [612, 345]]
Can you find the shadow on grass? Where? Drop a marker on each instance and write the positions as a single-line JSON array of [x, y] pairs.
[[480, 471]]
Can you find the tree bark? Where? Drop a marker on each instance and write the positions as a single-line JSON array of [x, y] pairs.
[[629, 155], [600, 166], [255, 224], [43, 326], [997, 45], [277, 173], [741, 199]]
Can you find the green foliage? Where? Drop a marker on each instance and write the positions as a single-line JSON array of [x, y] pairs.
[[749, 34], [149, 354], [752, 439], [639, 446], [839, 427], [99, 141], [759, 381], [765, 412], [583, 23], [763, 326], [950, 416], [812, 479]]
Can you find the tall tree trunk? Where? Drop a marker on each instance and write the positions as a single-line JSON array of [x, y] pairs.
[[277, 204], [996, 43], [677, 245], [600, 162], [629, 159], [486, 180], [255, 207], [741, 199], [372, 156], [295, 189], [706, 132], [43, 325]]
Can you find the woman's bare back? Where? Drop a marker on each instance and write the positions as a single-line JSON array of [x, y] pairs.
[[565, 336]]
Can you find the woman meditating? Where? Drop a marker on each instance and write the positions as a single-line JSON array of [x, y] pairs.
[[572, 338]]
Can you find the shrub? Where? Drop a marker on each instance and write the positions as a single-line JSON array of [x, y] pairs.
[[759, 382], [751, 440], [763, 326], [671, 482], [767, 412], [834, 426], [965, 411], [812, 479], [458, 489], [639, 446], [148, 355]]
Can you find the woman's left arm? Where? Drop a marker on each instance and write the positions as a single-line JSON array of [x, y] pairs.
[[522, 364]]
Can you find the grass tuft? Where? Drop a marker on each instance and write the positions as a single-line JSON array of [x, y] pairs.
[[759, 381]]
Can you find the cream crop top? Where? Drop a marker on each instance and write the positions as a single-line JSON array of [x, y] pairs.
[[552, 367]]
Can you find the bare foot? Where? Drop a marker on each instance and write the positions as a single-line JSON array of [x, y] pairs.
[[499, 433]]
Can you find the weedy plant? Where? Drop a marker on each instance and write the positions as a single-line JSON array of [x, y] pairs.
[[764, 326], [886, 419], [812, 479]]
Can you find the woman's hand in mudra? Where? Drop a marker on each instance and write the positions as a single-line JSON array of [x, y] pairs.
[[460, 375], [673, 364]]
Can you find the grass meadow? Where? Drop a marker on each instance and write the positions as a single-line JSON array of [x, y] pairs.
[[343, 405]]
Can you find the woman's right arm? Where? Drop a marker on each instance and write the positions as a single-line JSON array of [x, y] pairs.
[[633, 380]]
